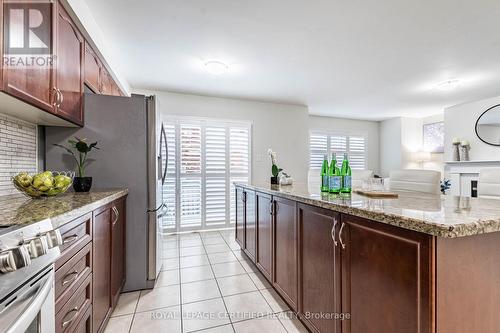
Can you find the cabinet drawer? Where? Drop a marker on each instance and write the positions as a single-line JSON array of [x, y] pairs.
[[85, 324], [75, 308], [71, 275], [75, 235]]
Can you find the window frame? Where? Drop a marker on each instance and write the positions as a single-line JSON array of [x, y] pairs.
[[203, 123]]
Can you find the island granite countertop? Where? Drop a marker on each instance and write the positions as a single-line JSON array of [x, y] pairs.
[[438, 215], [18, 209]]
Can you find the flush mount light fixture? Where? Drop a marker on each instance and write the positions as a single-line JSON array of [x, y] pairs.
[[448, 85], [216, 67]]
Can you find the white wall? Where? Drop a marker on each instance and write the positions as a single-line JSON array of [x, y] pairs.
[[411, 142], [369, 129], [390, 146], [460, 121], [284, 128]]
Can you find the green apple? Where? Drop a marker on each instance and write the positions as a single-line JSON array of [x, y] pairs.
[[44, 188], [62, 181], [24, 179], [53, 191]]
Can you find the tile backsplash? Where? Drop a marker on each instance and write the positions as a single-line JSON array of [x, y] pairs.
[[18, 150]]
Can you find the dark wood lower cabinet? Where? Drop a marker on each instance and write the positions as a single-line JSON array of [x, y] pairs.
[[319, 268], [240, 217], [102, 267], [117, 250], [91, 269], [387, 280], [285, 250], [264, 229], [250, 225]]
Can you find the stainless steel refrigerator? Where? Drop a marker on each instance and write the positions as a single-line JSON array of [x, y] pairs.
[[133, 153]]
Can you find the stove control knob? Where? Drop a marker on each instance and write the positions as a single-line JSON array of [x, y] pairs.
[[54, 238], [7, 262], [37, 247], [21, 256]]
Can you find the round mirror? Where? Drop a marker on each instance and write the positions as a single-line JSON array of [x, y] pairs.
[[488, 126]]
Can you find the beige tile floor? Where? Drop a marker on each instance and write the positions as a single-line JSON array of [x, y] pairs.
[[207, 285]]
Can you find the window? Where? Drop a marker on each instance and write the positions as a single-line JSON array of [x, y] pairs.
[[205, 158], [325, 143]]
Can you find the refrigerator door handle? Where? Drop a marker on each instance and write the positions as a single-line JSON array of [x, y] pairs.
[[163, 140], [155, 210]]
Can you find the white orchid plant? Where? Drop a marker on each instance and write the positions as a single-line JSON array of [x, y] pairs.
[[275, 169]]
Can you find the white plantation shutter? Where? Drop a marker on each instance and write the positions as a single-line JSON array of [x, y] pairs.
[[190, 149], [357, 152], [239, 150], [215, 188], [323, 143], [318, 144], [205, 158], [190, 175]]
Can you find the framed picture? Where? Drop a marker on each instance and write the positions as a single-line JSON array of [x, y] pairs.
[[434, 137]]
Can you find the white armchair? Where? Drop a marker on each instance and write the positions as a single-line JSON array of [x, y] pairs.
[[422, 181]]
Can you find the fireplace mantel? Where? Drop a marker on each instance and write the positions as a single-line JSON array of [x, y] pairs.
[[462, 173]]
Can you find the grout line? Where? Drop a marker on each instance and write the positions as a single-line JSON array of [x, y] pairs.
[[180, 288]]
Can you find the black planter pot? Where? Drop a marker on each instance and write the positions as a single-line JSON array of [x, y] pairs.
[[274, 181], [82, 184]]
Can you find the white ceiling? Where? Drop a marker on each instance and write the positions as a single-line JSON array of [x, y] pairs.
[[368, 59]]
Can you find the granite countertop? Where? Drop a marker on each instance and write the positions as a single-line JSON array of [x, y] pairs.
[[443, 216], [18, 209]]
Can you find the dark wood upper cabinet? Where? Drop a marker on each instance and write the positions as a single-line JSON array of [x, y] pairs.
[[101, 267], [69, 68], [106, 83], [250, 223], [240, 217], [386, 278], [34, 84], [285, 250], [264, 234], [117, 249], [92, 70], [319, 268]]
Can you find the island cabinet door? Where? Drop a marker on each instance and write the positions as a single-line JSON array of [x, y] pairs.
[[264, 228], [319, 269], [386, 278], [286, 250], [250, 234], [240, 217]]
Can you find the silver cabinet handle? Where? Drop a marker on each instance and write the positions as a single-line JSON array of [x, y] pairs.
[[56, 97], [335, 243], [271, 207], [70, 239], [62, 97], [340, 236], [117, 214], [75, 312], [72, 277]]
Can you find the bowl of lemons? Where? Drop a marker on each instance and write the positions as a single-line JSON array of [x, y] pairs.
[[44, 184]]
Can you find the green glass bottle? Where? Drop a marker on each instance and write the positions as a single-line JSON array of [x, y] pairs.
[[346, 175], [335, 181], [324, 174]]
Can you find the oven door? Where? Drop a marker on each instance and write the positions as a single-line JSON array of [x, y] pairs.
[[31, 308]]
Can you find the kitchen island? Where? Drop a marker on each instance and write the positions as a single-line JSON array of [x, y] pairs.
[[348, 263]]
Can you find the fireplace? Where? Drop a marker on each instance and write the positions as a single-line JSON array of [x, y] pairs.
[[473, 188], [465, 174]]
